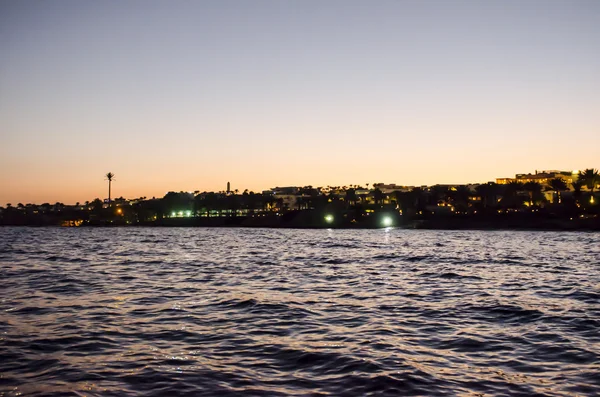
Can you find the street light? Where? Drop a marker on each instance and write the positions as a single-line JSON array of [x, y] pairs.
[[387, 221], [329, 218]]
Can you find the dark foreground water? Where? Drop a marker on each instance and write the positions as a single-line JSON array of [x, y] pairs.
[[201, 312]]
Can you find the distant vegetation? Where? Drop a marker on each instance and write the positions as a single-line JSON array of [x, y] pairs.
[[555, 205]]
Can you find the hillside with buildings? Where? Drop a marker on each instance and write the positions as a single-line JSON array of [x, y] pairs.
[[547, 199]]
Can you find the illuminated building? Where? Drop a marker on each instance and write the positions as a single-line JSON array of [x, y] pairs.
[[543, 178], [391, 187]]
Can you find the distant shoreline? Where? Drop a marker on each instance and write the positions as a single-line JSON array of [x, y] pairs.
[[540, 224]]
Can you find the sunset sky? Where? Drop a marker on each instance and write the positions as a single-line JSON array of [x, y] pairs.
[[188, 95]]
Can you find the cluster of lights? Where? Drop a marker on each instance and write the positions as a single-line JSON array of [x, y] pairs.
[[386, 221], [181, 214]]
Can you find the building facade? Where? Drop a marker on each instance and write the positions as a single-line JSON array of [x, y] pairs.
[[543, 177]]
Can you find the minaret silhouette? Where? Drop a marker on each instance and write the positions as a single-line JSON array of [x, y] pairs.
[[228, 187]]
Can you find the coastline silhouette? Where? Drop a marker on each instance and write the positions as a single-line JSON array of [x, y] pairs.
[[513, 204]]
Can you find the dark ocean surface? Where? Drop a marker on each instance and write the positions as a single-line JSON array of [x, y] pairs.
[[217, 312]]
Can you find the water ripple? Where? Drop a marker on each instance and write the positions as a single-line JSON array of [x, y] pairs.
[[258, 312]]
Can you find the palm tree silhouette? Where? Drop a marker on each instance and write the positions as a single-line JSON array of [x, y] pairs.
[[511, 197], [590, 178], [558, 185], [378, 196], [533, 188], [577, 185], [109, 178], [486, 193], [351, 196]]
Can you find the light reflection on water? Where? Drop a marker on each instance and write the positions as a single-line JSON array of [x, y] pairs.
[[192, 311]]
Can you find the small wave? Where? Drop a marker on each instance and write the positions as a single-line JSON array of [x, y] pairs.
[[506, 262], [256, 307], [585, 296], [467, 344], [336, 261], [55, 258], [452, 275], [31, 310], [386, 256], [572, 355], [418, 258], [507, 313], [338, 245]]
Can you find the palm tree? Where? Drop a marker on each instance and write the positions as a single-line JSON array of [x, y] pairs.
[[378, 196], [511, 197], [558, 185], [109, 178], [488, 193], [534, 189], [351, 196], [590, 178], [577, 185], [513, 187]]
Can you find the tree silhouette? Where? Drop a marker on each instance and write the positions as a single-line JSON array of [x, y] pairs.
[[558, 185], [438, 193], [577, 185], [378, 196], [590, 178], [460, 197], [534, 190], [351, 196], [97, 206], [418, 198], [109, 178], [487, 193], [511, 197]]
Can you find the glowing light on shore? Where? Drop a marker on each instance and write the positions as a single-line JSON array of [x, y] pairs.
[[387, 221], [329, 218]]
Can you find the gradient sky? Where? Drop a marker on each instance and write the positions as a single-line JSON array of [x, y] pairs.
[[187, 95]]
